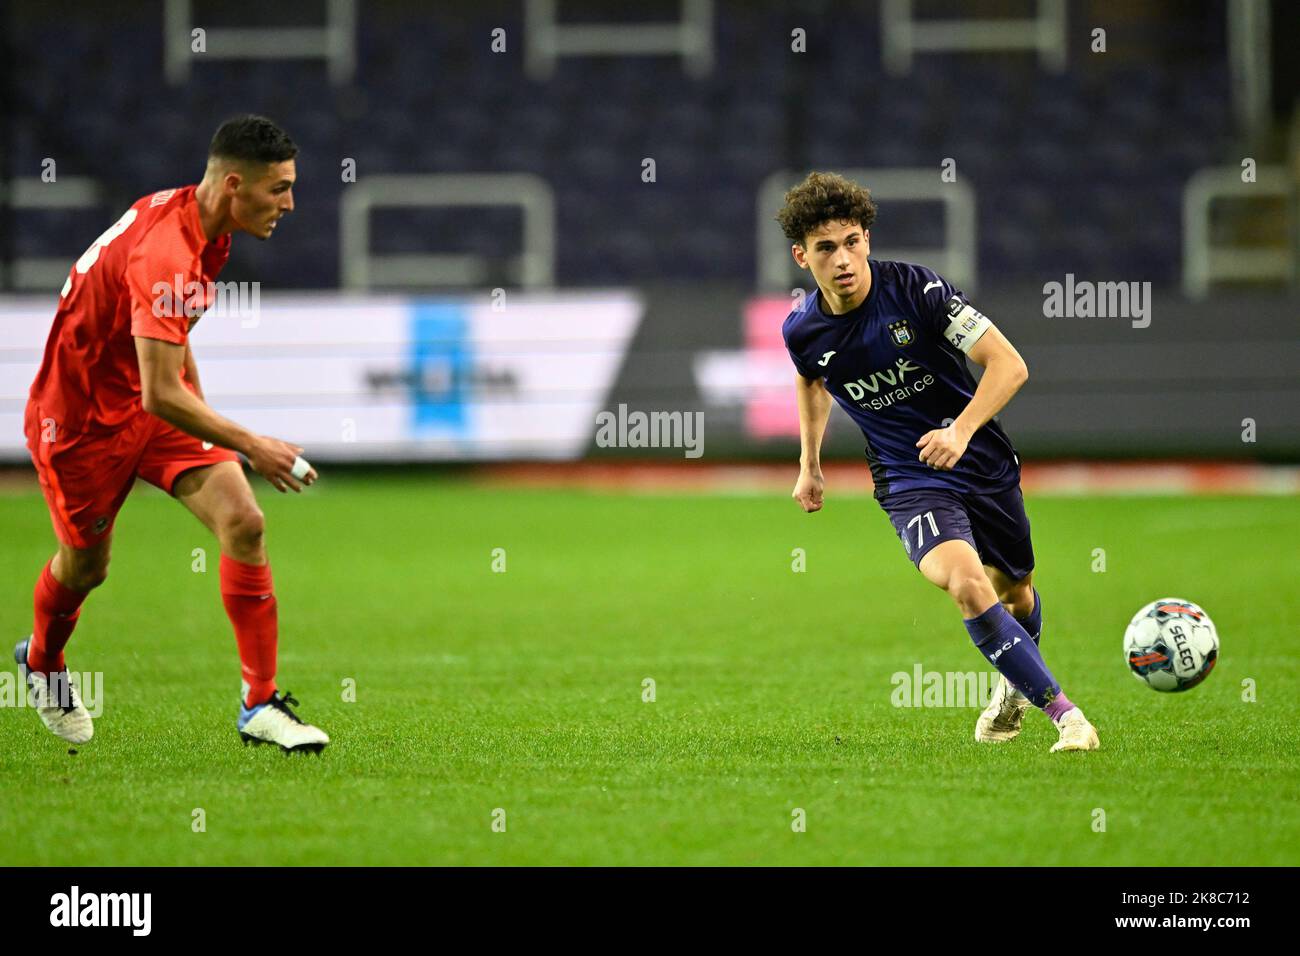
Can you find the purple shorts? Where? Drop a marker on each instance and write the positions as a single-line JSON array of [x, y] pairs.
[[994, 525]]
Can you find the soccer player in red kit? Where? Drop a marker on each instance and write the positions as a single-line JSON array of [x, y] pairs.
[[118, 396]]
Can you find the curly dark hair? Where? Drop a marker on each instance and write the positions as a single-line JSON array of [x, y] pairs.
[[824, 197], [252, 139]]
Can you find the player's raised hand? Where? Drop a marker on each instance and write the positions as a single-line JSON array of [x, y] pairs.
[[941, 448], [273, 460], [808, 490]]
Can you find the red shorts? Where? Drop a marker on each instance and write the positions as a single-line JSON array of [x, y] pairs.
[[87, 477]]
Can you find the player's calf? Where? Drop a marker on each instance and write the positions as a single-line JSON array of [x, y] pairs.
[[1002, 718], [1010, 649], [61, 589], [1019, 602], [1020, 598], [1004, 642]]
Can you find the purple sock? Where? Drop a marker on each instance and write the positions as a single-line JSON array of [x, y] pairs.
[[1058, 706], [1033, 622], [1007, 646]]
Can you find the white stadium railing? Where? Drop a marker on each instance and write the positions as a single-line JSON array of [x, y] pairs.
[[546, 39], [31, 192], [1205, 262], [360, 268], [903, 35], [335, 42]]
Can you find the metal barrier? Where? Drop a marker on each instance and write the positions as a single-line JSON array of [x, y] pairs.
[[335, 42], [361, 269], [546, 40], [31, 192], [903, 36], [1204, 262]]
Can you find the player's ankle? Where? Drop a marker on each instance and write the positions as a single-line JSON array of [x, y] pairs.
[[257, 696], [1058, 706]]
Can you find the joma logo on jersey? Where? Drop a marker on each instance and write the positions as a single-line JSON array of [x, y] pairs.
[[892, 376], [901, 333]]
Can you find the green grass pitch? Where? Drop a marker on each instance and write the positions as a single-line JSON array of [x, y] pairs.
[[477, 690]]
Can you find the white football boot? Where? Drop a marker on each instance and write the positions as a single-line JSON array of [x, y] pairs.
[[1076, 733], [56, 700], [1001, 718], [274, 723]]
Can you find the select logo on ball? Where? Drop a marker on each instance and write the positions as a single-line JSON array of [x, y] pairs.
[[1171, 645]]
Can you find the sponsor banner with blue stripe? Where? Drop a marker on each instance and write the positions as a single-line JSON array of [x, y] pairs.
[[456, 378], [441, 365]]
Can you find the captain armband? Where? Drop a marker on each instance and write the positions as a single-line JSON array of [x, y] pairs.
[[965, 323]]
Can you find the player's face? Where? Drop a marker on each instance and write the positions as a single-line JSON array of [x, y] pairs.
[[264, 194], [836, 254]]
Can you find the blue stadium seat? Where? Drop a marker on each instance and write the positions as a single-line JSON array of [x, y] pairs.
[[1109, 142]]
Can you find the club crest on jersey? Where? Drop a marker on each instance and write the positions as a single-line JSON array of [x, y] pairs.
[[901, 333]]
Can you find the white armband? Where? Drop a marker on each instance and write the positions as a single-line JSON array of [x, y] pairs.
[[965, 324]]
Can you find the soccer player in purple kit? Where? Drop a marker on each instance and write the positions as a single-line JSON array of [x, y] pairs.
[[889, 341]]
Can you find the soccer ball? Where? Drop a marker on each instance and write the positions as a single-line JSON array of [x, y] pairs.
[[1171, 645]]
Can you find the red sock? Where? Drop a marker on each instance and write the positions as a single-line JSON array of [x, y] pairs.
[[250, 603], [57, 609]]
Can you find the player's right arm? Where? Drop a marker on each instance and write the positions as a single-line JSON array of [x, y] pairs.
[[814, 412], [157, 270], [162, 394]]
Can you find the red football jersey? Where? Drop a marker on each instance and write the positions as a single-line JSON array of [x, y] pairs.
[[130, 282]]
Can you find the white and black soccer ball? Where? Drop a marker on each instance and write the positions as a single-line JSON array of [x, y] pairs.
[[1171, 645]]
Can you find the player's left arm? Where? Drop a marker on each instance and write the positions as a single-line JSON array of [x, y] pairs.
[[192, 373], [1004, 373]]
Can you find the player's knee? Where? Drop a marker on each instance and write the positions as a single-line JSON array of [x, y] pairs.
[[82, 569], [87, 577], [243, 527], [972, 592]]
